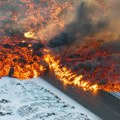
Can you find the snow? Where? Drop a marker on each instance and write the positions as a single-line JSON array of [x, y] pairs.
[[116, 94], [36, 99]]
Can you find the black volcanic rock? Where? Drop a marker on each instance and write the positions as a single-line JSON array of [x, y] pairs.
[[8, 46], [43, 63], [22, 60], [11, 72], [38, 46], [75, 56], [23, 44], [4, 101], [38, 53]]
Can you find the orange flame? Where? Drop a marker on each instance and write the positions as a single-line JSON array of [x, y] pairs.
[[45, 22], [67, 77], [29, 35]]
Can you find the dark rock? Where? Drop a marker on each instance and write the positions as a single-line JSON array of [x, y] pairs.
[[65, 105], [38, 53], [112, 46], [103, 82], [50, 114], [4, 101], [18, 84], [45, 64], [34, 59], [38, 46], [23, 44], [9, 113], [99, 58], [14, 60], [2, 114], [11, 72], [22, 60], [30, 63], [8, 46]]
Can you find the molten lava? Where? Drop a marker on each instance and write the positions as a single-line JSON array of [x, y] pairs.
[[24, 59], [67, 76], [26, 24], [19, 58]]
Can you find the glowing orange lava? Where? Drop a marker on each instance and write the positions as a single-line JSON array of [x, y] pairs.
[[67, 77], [27, 24], [19, 59]]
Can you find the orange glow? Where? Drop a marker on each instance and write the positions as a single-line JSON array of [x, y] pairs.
[[67, 77], [29, 35], [21, 59], [20, 55]]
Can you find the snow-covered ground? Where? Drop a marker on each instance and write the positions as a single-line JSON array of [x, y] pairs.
[[36, 99], [116, 94]]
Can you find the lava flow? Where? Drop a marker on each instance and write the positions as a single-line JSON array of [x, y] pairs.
[[67, 76], [24, 59], [20, 59], [34, 32]]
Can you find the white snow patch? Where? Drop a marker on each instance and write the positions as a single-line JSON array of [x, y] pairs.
[[36, 99], [116, 94]]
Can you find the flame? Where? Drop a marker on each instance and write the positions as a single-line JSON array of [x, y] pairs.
[[67, 77], [20, 60], [43, 21], [30, 35], [27, 65]]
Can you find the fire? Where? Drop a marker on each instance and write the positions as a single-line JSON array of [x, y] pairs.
[[67, 76], [20, 59], [21, 53], [29, 35]]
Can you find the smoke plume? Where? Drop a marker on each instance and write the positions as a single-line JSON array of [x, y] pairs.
[[92, 19]]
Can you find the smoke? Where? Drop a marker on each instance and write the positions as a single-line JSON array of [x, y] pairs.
[[90, 44], [49, 18], [45, 18], [85, 33], [93, 18], [61, 22]]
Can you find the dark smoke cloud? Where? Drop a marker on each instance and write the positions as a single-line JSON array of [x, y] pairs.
[[91, 20], [82, 25]]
